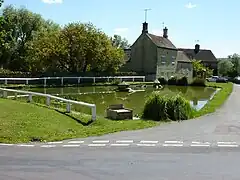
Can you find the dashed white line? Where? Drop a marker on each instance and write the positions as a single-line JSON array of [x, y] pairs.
[[124, 141], [58, 142], [149, 142], [119, 144], [48, 146], [76, 142], [200, 145], [6, 144], [25, 145], [228, 145], [101, 141], [173, 142], [146, 145], [97, 145], [173, 145], [71, 145], [197, 142], [226, 142]]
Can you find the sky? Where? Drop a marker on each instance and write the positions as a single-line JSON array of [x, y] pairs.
[[211, 23]]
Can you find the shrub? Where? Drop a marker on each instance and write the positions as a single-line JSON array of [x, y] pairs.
[[162, 81], [158, 107], [199, 82], [172, 81], [182, 81]]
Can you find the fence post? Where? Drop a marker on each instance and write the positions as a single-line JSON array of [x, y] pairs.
[[144, 79], [6, 81], [45, 82], [26, 81], [79, 80], [68, 108], [94, 112], [48, 101], [94, 80], [30, 98], [4, 94], [62, 81], [15, 94]]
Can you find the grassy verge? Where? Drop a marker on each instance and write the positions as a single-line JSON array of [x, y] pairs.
[[219, 98], [23, 122]]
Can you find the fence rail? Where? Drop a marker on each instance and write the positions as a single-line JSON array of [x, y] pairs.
[[78, 78], [48, 99]]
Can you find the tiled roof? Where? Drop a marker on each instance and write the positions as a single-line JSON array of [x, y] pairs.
[[161, 41], [182, 57], [203, 54]]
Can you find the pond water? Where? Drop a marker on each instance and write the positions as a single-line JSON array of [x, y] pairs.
[[105, 95]]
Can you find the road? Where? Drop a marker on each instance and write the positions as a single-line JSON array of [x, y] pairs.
[[205, 148]]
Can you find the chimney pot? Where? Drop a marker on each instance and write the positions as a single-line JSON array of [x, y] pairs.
[[145, 27], [165, 32]]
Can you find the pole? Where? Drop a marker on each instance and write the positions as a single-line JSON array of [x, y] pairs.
[[146, 10]]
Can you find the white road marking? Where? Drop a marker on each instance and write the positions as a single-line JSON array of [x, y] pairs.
[[25, 145], [71, 145], [149, 142], [119, 144], [6, 144], [96, 145], [200, 145], [226, 142], [197, 142], [124, 141], [59, 142], [173, 142], [76, 142], [101, 141], [48, 146], [146, 145], [175, 145], [228, 145]]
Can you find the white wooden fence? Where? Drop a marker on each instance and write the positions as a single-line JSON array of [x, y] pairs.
[[78, 78], [48, 99]]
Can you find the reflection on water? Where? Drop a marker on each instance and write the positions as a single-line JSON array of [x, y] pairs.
[[104, 96]]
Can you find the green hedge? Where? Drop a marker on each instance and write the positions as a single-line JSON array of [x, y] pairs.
[[161, 108]]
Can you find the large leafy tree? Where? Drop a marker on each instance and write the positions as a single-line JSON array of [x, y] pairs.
[[75, 48], [199, 69], [225, 67], [20, 26], [120, 42], [235, 59]]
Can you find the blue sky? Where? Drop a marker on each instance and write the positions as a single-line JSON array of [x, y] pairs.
[[213, 23]]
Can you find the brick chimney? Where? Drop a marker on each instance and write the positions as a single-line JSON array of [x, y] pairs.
[[145, 27], [165, 32], [197, 48]]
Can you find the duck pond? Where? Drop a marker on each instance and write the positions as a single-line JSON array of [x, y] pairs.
[[103, 96]]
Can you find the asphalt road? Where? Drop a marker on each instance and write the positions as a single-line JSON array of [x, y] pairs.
[[167, 152]]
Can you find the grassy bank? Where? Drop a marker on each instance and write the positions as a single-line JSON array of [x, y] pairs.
[[23, 122], [218, 100]]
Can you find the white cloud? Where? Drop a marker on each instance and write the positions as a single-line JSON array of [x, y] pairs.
[[190, 5], [120, 31], [52, 1]]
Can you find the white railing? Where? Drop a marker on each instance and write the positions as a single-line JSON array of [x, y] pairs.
[[78, 78], [48, 99]]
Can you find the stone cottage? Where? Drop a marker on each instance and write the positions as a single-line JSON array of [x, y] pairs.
[[206, 56], [156, 56]]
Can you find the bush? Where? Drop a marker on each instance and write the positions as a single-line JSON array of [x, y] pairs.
[[199, 82], [182, 81], [172, 81], [158, 107], [162, 81]]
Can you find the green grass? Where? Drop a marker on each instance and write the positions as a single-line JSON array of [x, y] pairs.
[[23, 122], [218, 100]]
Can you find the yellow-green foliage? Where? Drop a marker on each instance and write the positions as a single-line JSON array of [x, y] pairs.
[[158, 107]]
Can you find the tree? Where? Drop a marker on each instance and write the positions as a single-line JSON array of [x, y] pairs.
[[120, 42], [225, 67], [199, 69], [75, 48], [235, 59], [20, 26]]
